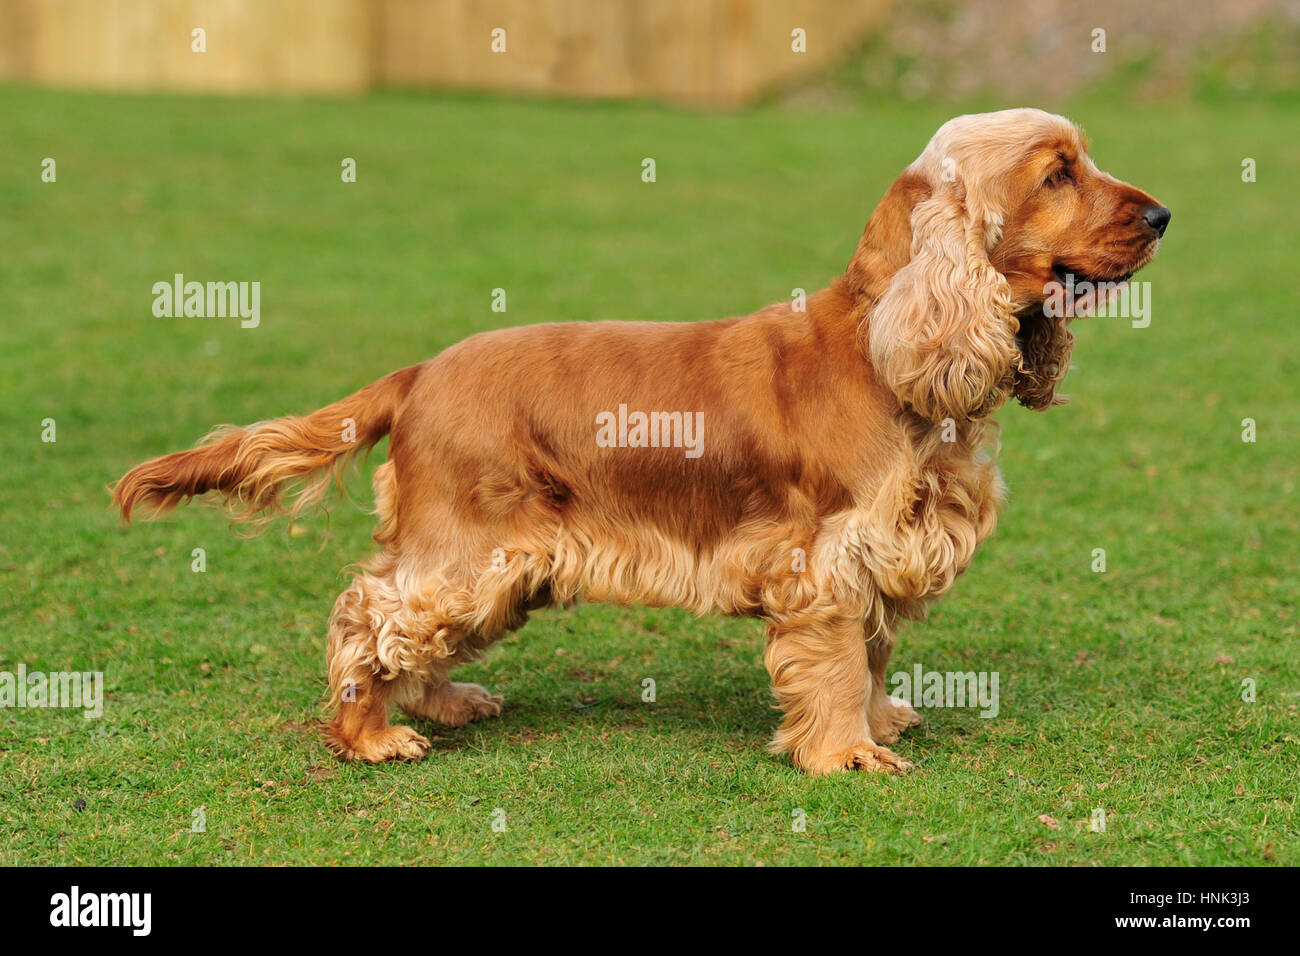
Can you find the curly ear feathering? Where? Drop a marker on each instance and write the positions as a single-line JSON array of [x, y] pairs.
[[943, 334], [793, 465]]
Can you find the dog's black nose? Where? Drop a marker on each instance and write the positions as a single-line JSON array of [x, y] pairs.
[[1157, 217]]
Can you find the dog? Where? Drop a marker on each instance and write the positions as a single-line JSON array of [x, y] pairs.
[[827, 469]]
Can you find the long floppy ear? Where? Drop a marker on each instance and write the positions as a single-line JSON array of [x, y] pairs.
[[943, 334]]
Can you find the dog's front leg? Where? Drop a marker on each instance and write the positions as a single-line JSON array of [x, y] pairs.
[[888, 716], [823, 683]]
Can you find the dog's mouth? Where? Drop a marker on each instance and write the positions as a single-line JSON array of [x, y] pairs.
[[1083, 290], [1069, 274], [1087, 290]]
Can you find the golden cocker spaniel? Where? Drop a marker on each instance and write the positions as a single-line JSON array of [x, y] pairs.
[[824, 469]]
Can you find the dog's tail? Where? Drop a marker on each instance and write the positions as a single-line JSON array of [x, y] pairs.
[[252, 466]]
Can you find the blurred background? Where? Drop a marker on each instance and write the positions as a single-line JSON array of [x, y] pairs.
[[717, 52]]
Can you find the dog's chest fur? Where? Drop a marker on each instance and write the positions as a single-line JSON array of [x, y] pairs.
[[906, 545]]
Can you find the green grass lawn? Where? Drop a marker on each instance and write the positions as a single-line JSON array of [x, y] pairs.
[[1119, 690]]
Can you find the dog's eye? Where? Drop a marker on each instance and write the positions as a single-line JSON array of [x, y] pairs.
[[1059, 177]]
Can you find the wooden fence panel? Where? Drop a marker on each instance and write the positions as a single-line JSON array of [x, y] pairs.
[[720, 51]]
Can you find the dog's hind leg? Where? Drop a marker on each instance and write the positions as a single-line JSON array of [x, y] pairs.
[[497, 603], [369, 657], [387, 647], [823, 683]]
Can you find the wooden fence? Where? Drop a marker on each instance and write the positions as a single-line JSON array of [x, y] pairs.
[[718, 51]]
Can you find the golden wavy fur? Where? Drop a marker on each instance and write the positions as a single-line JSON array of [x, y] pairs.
[[843, 477]]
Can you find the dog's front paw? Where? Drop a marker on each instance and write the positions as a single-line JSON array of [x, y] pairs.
[[468, 702], [864, 756], [892, 719], [391, 743], [455, 705]]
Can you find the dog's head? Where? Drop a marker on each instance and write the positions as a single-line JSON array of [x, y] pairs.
[[998, 215]]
